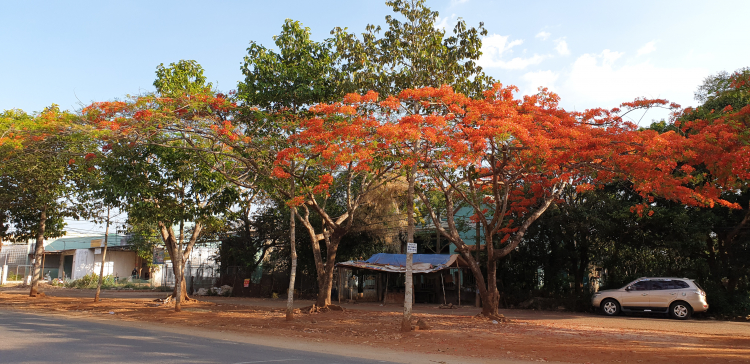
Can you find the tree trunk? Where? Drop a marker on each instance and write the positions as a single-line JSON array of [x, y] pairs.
[[323, 269], [293, 254], [324, 291], [491, 299], [583, 264], [179, 255], [104, 256], [183, 287], [438, 248], [293, 273], [492, 296], [713, 263], [478, 244], [38, 252], [325, 280], [578, 280], [178, 279], [179, 284], [409, 294]]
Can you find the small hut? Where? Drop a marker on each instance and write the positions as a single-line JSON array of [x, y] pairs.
[[437, 278]]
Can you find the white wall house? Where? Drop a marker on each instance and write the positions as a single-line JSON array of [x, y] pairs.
[[74, 258]]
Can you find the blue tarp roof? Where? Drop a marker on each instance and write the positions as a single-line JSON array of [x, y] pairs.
[[399, 260], [422, 263]]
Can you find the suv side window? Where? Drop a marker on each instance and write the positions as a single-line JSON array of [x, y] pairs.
[[641, 286], [680, 284], [661, 285]]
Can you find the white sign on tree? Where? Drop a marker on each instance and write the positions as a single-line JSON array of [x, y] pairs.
[[411, 248]]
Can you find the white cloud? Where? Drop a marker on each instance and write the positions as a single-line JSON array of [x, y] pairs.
[[538, 79], [562, 47], [496, 47], [647, 48], [543, 35], [608, 57], [442, 22], [518, 63], [597, 80]]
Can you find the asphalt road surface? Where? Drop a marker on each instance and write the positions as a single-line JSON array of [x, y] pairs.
[[26, 338]]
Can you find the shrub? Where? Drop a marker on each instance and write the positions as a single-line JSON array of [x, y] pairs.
[[14, 277], [91, 280], [725, 303], [86, 281]]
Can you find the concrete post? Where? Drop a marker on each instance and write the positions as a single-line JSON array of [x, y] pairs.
[[4, 275]]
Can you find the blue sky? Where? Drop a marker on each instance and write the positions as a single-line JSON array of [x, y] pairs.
[[593, 53]]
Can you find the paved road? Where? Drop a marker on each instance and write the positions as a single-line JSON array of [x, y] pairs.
[[26, 338]]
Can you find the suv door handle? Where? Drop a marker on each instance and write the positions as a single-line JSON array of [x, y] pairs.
[[645, 294], [673, 294]]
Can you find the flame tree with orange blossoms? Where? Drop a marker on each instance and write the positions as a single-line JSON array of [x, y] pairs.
[[247, 158], [161, 170], [281, 84], [528, 151], [510, 159], [716, 134], [410, 136], [417, 125], [338, 146], [278, 89], [413, 52]]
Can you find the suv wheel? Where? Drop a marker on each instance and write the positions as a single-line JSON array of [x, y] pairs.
[[610, 307], [680, 310]]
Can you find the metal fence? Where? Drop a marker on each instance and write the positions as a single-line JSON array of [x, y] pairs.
[[260, 283], [16, 258], [197, 276]]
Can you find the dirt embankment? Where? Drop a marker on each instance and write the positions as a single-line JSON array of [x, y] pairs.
[[525, 337]]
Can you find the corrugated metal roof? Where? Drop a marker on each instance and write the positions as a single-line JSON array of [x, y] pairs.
[[422, 263], [85, 242]]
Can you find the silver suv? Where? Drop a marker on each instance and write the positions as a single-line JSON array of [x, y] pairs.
[[679, 297]]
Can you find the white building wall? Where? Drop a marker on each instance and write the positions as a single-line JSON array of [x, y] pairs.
[[107, 267], [123, 261], [118, 263], [157, 275], [83, 263]]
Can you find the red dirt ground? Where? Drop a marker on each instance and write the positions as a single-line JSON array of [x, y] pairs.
[[522, 338]]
